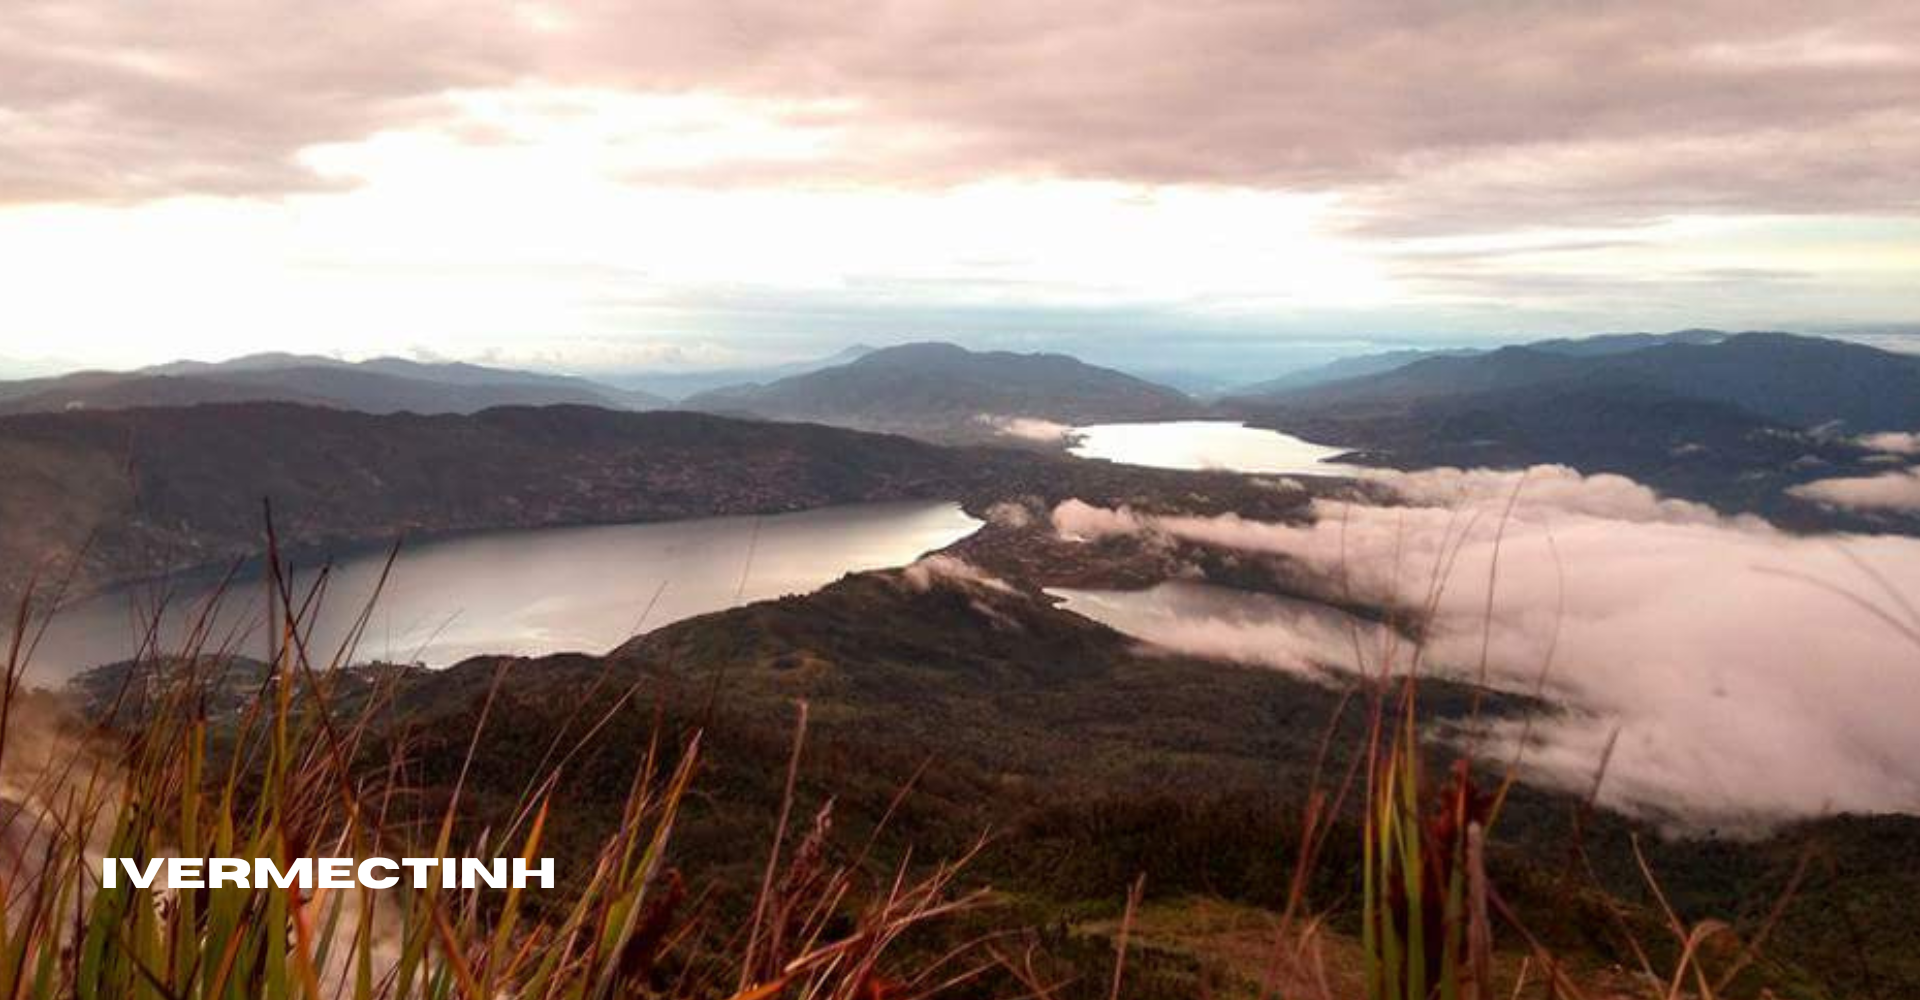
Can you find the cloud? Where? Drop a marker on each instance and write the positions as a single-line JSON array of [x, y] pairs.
[[931, 571], [1298, 636], [1010, 514], [1433, 117], [1813, 167], [1555, 488], [1894, 491], [1026, 428], [1893, 442], [1077, 520], [1741, 665]]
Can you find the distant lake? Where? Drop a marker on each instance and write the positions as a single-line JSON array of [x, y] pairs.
[[1208, 444], [532, 591]]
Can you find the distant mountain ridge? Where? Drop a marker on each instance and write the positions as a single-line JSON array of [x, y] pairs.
[[680, 385], [1361, 365], [1341, 369], [143, 491], [378, 385], [1792, 380], [943, 390], [1600, 345], [1733, 420]]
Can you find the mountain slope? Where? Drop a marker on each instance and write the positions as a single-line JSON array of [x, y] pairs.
[[680, 385], [1734, 422], [381, 385], [1782, 378], [942, 390], [1363, 365], [1093, 762], [146, 491], [1605, 344], [1341, 369], [1800, 381]]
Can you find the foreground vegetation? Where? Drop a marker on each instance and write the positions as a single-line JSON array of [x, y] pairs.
[[716, 842], [218, 760]]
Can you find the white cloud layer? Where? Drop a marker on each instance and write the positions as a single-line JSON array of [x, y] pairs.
[[1893, 442], [1888, 491], [1026, 428], [931, 571], [1742, 666]]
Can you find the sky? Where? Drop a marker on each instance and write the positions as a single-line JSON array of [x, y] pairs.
[[615, 185]]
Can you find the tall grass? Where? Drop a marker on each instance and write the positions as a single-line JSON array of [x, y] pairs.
[[294, 767], [1429, 908]]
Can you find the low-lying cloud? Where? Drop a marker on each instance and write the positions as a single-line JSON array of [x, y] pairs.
[[1221, 623], [931, 571], [1026, 428], [1888, 491], [1893, 442], [1751, 673]]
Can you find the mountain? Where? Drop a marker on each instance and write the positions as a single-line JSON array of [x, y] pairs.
[[1362, 365], [260, 361], [941, 704], [1733, 421], [1800, 382], [1346, 368], [380, 385], [150, 491], [948, 392], [680, 385], [1624, 343], [146, 491]]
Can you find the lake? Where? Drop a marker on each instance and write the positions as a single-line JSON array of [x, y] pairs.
[[1207, 444], [533, 591]]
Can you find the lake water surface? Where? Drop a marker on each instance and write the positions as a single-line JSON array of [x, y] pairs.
[[534, 591], [1208, 444]]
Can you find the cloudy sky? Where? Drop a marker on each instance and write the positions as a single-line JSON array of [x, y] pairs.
[[636, 183]]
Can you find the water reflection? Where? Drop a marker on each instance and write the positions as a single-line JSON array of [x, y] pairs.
[[534, 591], [1208, 444]]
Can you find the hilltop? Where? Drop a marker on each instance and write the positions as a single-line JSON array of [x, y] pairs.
[[947, 392]]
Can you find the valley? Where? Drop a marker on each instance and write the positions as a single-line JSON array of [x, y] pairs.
[[1139, 645], [957, 500]]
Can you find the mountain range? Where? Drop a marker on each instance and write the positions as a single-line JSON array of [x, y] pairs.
[[1003, 711], [378, 385], [1734, 420], [1341, 369], [142, 492], [679, 385], [1796, 381]]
